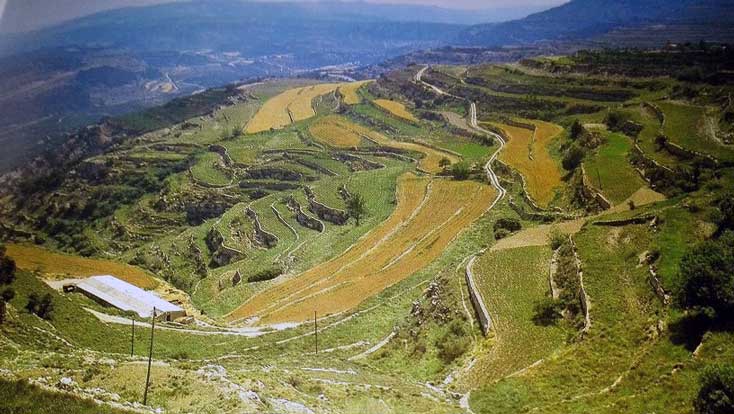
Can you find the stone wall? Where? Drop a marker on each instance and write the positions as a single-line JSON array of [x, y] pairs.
[[302, 218], [222, 255], [584, 297], [324, 212], [592, 193], [485, 321], [261, 236]]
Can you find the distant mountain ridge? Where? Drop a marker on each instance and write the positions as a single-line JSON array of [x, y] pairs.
[[584, 19]]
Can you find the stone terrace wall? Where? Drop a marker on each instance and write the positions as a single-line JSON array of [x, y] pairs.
[[304, 219], [485, 321], [262, 237], [324, 212]]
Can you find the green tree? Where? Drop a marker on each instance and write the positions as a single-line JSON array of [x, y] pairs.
[[7, 268], [707, 277], [576, 129], [356, 207], [716, 395], [460, 170], [572, 159]]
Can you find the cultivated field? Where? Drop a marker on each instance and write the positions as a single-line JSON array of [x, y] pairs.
[[336, 131], [527, 152], [609, 170], [395, 108], [288, 107], [429, 214], [511, 282], [57, 265], [349, 92]]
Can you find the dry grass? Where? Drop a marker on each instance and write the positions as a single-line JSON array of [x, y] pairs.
[[295, 103], [539, 235], [542, 174], [425, 221], [395, 108], [349, 92], [336, 131], [58, 265]]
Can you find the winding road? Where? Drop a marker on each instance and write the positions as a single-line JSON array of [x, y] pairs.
[[491, 175]]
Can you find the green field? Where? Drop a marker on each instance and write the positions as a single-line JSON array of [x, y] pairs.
[[609, 170]]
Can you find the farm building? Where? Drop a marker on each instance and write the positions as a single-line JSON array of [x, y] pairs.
[[112, 291]]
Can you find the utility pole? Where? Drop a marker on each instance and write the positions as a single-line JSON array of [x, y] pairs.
[[150, 359], [132, 340], [316, 331]]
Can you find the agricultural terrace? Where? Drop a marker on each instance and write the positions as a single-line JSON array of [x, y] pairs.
[[609, 170], [340, 132], [349, 92], [395, 108], [429, 214], [618, 364], [336, 131], [431, 156], [57, 265], [691, 127], [527, 152], [290, 106], [511, 281]]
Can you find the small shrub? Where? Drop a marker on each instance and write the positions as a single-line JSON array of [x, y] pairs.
[[454, 343], [556, 238], [716, 395], [547, 312], [460, 171]]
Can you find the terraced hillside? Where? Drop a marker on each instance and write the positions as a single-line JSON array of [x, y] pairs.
[[494, 238]]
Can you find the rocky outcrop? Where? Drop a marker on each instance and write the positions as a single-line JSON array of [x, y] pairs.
[[302, 218], [261, 236], [222, 255], [324, 212], [625, 222], [274, 173], [356, 163]]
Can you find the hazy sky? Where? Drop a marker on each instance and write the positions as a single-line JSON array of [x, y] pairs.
[[22, 15]]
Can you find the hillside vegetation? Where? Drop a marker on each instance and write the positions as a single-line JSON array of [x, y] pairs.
[[526, 237]]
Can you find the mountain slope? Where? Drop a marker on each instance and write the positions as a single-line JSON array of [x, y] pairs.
[[583, 19]]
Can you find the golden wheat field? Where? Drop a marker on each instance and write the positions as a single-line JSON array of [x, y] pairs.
[[429, 214], [349, 92], [52, 264], [335, 131], [542, 174], [395, 108], [288, 107], [296, 105]]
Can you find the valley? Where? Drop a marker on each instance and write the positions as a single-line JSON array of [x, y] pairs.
[[490, 238]]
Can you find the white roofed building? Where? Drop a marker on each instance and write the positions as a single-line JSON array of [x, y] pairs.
[[112, 291]]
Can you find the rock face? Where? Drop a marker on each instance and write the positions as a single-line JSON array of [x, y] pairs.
[[261, 236], [302, 218], [332, 215]]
